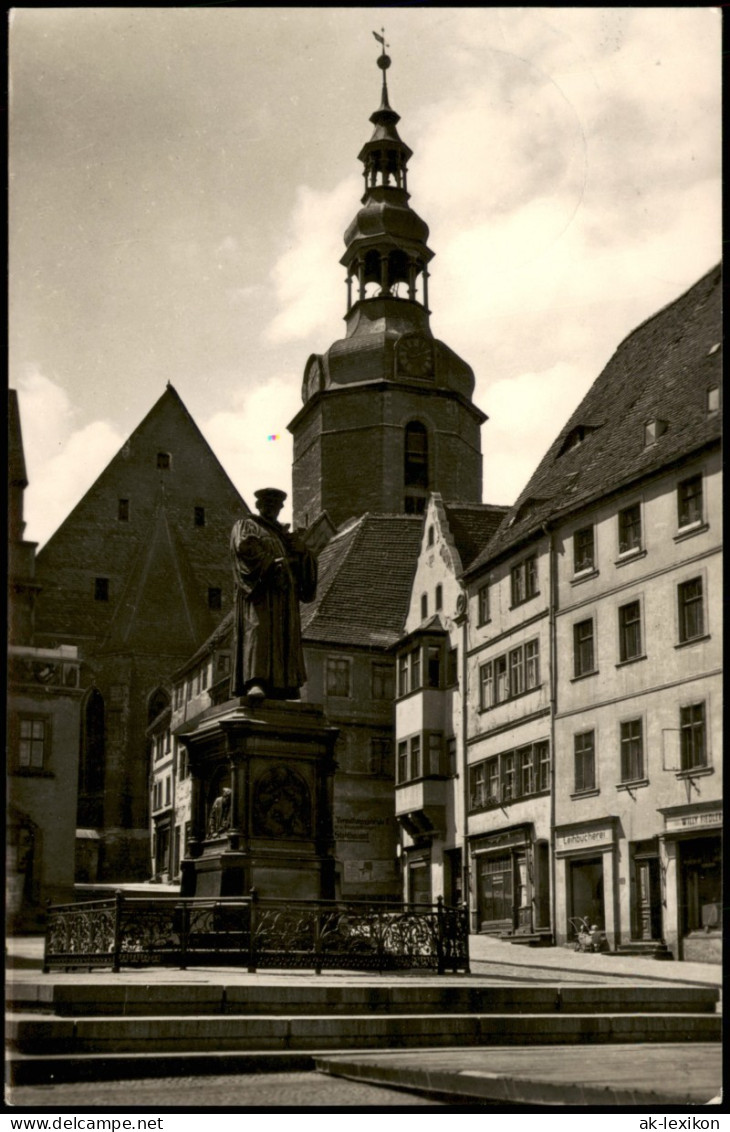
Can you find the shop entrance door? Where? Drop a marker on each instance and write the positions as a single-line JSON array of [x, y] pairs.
[[495, 899], [648, 899], [419, 883], [586, 891]]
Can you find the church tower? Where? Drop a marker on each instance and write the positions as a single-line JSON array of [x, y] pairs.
[[388, 414]]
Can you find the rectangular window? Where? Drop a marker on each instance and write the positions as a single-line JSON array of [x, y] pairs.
[[32, 744], [501, 680], [583, 550], [508, 777], [629, 630], [532, 664], [338, 676], [381, 681], [542, 763], [492, 775], [123, 510], [433, 666], [424, 606], [380, 755], [452, 668], [689, 501], [415, 669], [691, 610], [629, 529], [516, 671], [524, 580], [585, 761], [486, 685], [692, 735], [632, 751], [101, 589], [403, 676], [483, 604], [525, 770], [451, 755], [583, 647], [477, 786], [402, 762], [204, 677], [199, 516], [439, 599], [167, 791], [215, 597], [416, 766], [435, 753], [163, 461]]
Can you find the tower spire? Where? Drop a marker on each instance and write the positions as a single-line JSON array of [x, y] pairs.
[[386, 242]]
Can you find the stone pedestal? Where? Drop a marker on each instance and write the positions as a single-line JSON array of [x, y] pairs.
[[273, 831]]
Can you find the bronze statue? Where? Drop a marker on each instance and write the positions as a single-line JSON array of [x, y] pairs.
[[220, 813], [273, 572]]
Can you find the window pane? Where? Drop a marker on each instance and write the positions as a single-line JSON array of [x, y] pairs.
[[585, 774], [532, 664], [415, 669], [583, 557], [508, 777], [689, 500], [583, 646], [691, 610], [632, 754], [517, 671], [485, 685], [434, 666], [493, 781], [416, 769], [402, 762], [630, 630], [501, 685], [629, 529], [483, 599], [692, 729]]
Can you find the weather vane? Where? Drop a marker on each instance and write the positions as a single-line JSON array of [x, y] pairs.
[[384, 60]]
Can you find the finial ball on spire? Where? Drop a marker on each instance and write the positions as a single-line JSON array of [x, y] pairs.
[[383, 61]]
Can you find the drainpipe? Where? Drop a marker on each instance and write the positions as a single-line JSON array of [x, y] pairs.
[[463, 767], [552, 655]]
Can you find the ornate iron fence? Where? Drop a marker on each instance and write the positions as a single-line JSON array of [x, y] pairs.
[[251, 932]]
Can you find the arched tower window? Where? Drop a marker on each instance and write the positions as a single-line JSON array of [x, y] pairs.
[[415, 467], [91, 761], [158, 701]]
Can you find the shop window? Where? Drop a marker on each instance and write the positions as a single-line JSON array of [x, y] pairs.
[[693, 737], [689, 501], [523, 578], [33, 745], [509, 675], [629, 631], [483, 604], [629, 529], [583, 550], [585, 761], [381, 681], [583, 648], [338, 676], [691, 610], [632, 751]]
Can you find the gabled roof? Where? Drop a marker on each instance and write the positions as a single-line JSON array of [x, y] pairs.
[[365, 577], [661, 371], [472, 525]]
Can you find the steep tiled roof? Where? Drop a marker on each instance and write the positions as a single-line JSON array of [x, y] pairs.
[[661, 371], [472, 525], [365, 577]]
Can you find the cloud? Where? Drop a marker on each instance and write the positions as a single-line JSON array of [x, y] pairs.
[[239, 436], [305, 275], [62, 461]]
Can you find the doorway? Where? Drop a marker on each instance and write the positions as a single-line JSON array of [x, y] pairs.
[[495, 892], [586, 892], [648, 917]]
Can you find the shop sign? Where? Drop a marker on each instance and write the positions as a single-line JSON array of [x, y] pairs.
[[692, 821], [584, 839]]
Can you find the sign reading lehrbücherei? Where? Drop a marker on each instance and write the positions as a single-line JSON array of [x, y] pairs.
[[584, 838]]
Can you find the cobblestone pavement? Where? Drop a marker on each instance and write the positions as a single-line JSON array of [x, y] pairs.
[[250, 1091]]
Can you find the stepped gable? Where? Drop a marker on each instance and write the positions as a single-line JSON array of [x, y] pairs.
[[662, 372], [365, 577], [159, 547], [472, 525]]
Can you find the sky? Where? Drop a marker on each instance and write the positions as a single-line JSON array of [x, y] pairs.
[[181, 179]]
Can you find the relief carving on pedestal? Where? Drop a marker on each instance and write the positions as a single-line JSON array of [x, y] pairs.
[[281, 804]]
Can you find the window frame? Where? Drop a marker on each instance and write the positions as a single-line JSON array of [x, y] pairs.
[[629, 523], [523, 580], [628, 755], [584, 756], [498, 674], [628, 629], [335, 668], [687, 739], [483, 604], [42, 742], [501, 778], [382, 681], [584, 549], [685, 607], [690, 504], [580, 667]]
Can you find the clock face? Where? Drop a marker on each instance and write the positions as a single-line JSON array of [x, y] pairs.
[[415, 356]]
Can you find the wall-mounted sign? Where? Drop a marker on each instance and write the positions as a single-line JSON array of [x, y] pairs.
[[692, 821], [597, 837]]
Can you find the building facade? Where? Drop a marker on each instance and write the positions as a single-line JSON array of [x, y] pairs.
[[603, 664], [137, 576]]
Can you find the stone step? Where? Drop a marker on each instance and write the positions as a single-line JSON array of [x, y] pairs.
[[649, 949], [164, 999], [119, 1034]]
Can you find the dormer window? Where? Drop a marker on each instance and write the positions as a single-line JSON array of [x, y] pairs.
[[653, 429], [575, 437]]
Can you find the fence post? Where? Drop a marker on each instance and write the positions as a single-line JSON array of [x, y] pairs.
[[184, 934], [318, 941], [440, 934], [252, 931], [118, 907], [465, 929], [47, 941]]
